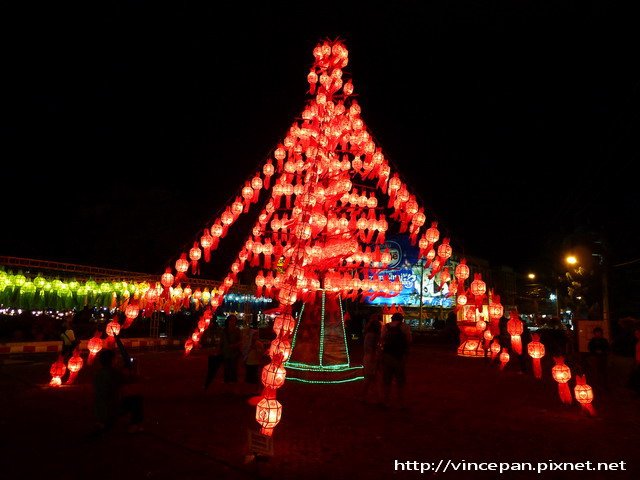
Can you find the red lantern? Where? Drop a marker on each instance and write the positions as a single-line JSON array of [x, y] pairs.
[[284, 322], [112, 328], [195, 254], [74, 365], [131, 312], [504, 358], [268, 170], [260, 280], [562, 374], [273, 376], [188, 346], [268, 414], [462, 270], [57, 371], [432, 234], [496, 310], [206, 241], [280, 350], [478, 287], [495, 348], [461, 300], [536, 352], [226, 218], [94, 345], [445, 250], [515, 329], [584, 395], [182, 265], [287, 294]]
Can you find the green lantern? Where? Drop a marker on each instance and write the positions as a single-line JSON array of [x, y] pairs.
[[73, 285], [19, 279], [39, 281]]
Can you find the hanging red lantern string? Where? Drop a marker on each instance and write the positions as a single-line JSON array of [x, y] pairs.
[[536, 351], [561, 373]]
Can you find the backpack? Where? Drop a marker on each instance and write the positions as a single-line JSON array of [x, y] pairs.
[[395, 342]]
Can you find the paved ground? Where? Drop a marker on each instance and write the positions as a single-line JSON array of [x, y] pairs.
[[460, 409]]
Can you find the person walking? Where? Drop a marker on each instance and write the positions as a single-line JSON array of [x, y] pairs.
[[215, 359], [599, 358], [111, 400], [69, 341], [231, 352], [395, 339]]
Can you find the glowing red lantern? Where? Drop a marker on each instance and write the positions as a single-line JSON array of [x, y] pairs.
[[217, 230], [132, 311], [167, 278], [445, 250], [268, 414], [496, 310], [284, 322], [536, 352], [206, 241], [515, 329], [182, 265], [195, 254], [94, 345], [461, 300], [495, 348], [74, 365], [268, 170], [478, 287], [584, 395], [287, 294], [280, 350], [462, 270], [226, 218], [273, 375], [112, 328], [188, 346], [432, 234], [57, 371], [561, 373], [504, 358]]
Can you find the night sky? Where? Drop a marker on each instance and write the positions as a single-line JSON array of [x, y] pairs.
[[515, 122]]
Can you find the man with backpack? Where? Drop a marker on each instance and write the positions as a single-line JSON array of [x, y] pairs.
[[395, 340]]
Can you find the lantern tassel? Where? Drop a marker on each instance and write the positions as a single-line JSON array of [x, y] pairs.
[[516, 344], [565, 393], [537, 368]]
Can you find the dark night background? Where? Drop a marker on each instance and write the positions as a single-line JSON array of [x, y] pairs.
[[127, 126]]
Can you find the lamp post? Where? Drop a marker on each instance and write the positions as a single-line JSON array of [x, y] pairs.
[[573, 260]]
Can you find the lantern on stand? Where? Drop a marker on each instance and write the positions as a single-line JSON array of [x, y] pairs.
[[584, 395], [536, 352], [562, 374]]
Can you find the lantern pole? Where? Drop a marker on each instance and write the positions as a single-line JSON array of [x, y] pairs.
[[421, 289]]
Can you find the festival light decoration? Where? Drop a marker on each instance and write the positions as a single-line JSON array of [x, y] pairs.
[[515, 329], [536, 351], [561, 373], [584, 395]]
